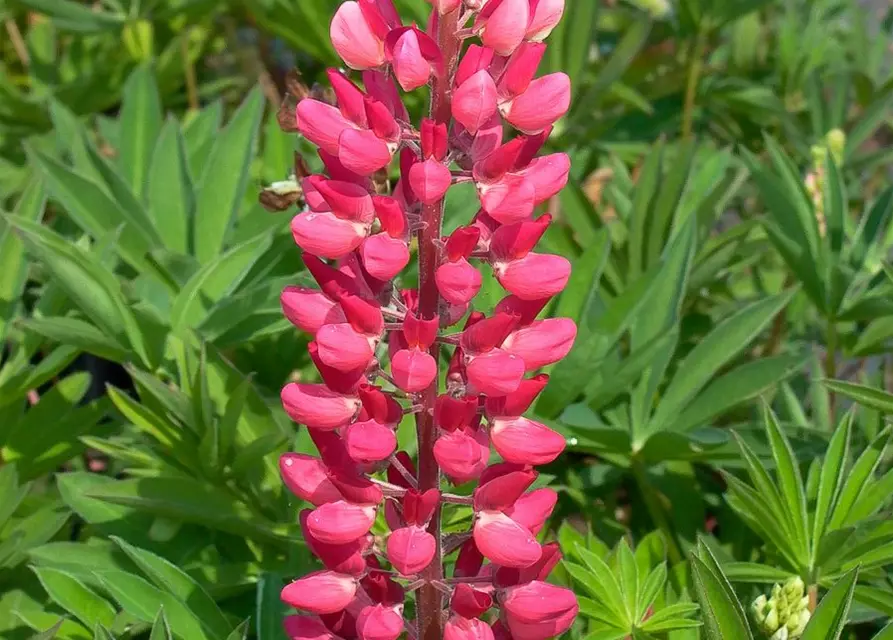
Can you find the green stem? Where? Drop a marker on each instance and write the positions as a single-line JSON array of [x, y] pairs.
[[656, 510], [831, 364], [695, 68]]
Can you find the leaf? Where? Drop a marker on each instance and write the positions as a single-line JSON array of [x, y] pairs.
[[76, 598], [225, 178], [219, 277], [74, 16], [723, 615], [240, 632], [867, 396], [830, 617], [140, 126], [80, 334], [858, 479], [720, 346], [49, 633], [755, 572], [600, 581], [169, 578], [161, 630], [170, 192], [651, 589], [269, 609], [833, 468]]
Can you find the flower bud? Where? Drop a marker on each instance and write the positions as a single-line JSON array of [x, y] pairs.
[[309, 309], [340, 522], [524, 441], [321, 123], [326, 235], [363, 152], [305, 476], [413, 369], [458, 282], [461, 456], [546, 100], [320, 592], [543, 342], [369, 441], [379, 622], [505, 542], [474, 101], [503, 24], [354, 39], [461, 628], [535, 276], [384, 256], [410, 550], [317, 407], [341, 347], [539, 610], [307, 628], [495, 373], [429, 180]]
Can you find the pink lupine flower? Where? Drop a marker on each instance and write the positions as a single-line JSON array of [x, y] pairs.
[[379, 622], [306, 477], [544, 102], [321, 592], [524, 441], [356, 241], [539, 610]]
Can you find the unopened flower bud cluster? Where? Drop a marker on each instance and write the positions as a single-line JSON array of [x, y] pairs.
[[785, 613]]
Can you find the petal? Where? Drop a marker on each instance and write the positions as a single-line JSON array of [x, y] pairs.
[[429, 180], [548, 175], [458, 282], [505, 542], [342, 558], [383, 256], [460, 456], [469, 602], [369, 441], [508, 201], [363, 152], [504, 28], [305, 476], [318, 407], [321, 123], [325, 235], [539, 610], [410, 550], [502, 491], [348, 200], [535, 276], [340, 522], [543, 342], [413, 370], [379, 622], [309, 309], [474, 102], [410, 66], [532, 509], [320, 592], [495, 373], [307, 628], [342, 348], [546, 100], [544, 17], [524, 441], [521, 70], [354, 39], [461, 628]]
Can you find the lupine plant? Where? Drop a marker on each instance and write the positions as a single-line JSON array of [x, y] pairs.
[[356, 242]]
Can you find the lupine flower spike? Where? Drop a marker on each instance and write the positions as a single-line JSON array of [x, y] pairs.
[[785, 613], [387, 355]]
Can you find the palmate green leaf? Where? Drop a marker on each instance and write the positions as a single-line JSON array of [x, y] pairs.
[[723, 615], [723, 344], [790, 482], [76, 598], [225, 177], [858, 479], [195, 502], [868, 396], [831, 479], [830, 617], [763, 484], [13, 265], [170, 579], [221, 275], [599, 580], [170, 191], [141, 118], [269, 609], [650, 590], [675, 616], [742, 384]]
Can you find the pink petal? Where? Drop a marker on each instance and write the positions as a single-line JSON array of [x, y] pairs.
[[519, 401], [539, 610], [461, 628], [363, 152], [429, 180], [317, 407], [509, 200], [309, 309], [524, 441], [502, 491], [307, 628], [504, 28], [488, 138], [505, 542], [535, 276], [461, 456], [469, 602], [495, 373], [532, 509], [349, 97], [379, 622], [546, 100], [305, 476], [514, 241], [521, 70], [410, 550], [348, 200], [325, 235], [354, 39], [321, 123], [369, 441], [548, 175], [320, 592], [383, 256], [410, 66], [458, 282], [544, 17], [543, 342], [341, 347], [413, 370], [340, 522], [474, 102], [341, 558]]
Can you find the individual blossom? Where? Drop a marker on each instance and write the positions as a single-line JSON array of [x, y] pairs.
[[387, 355]]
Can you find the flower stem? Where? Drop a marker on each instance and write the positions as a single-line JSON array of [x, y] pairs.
[[429, 602], [695, 67]]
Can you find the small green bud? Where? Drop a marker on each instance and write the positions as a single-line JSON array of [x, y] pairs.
[[836, 142], [771, 621]]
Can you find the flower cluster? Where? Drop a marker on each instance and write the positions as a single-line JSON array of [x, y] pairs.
[[785, 614], [378, 347], [833, 145]]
